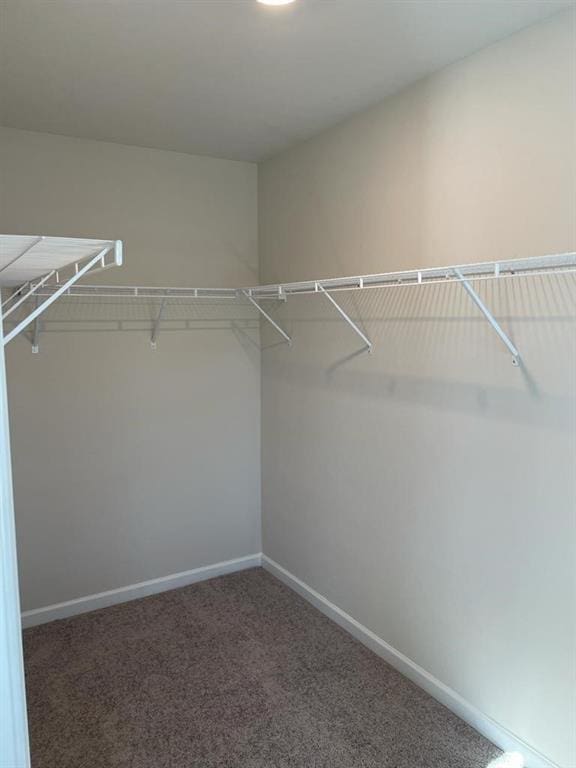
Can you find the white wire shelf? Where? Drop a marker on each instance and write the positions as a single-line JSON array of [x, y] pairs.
[[142, 292], [25, 258], [28, 263], [71, 310], [464, 274], [487, 270], [48, 285]]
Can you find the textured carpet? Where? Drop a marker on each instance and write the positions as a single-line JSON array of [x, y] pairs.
[[236, 672]]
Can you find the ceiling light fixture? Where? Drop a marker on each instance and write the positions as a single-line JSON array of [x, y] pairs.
[[275, 2]]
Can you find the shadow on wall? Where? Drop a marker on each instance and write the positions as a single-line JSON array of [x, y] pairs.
[[100, 314], [432, 347]]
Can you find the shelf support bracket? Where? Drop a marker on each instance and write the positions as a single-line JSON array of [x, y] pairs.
[[346, 317], [80, 272], [265, 314], [489, 316], [30, 292], [156, 327], [36, 330]]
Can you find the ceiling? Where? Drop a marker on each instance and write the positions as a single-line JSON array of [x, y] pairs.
[[228, 78]]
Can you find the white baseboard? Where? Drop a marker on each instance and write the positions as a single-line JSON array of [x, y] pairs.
[[497, 734], [134, 591]]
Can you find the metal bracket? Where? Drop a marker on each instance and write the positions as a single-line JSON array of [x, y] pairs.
[[265, 314], [80, 272], [156, 328], [489, 316], [346, 317], [36, 330], [25, 296]]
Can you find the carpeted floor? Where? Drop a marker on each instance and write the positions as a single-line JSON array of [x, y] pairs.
[[237, 672]]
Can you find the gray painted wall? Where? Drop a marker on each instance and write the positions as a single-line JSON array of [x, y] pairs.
[[428, 490], [131, 464]]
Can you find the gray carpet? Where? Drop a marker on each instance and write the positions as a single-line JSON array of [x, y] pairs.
[[236, 672]]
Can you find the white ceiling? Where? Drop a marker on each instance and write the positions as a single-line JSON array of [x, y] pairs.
[[229, 78]]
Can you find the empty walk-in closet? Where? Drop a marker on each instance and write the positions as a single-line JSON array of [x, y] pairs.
[[288, 384]]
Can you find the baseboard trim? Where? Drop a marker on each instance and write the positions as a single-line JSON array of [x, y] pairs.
[[497, 734], [134, 591]]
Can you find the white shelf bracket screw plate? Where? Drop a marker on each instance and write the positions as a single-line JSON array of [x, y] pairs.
[[265, 314], [346, 317], [489, 316]]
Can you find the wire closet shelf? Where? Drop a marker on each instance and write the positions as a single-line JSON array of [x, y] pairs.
[[30, 263], [43, 269]]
